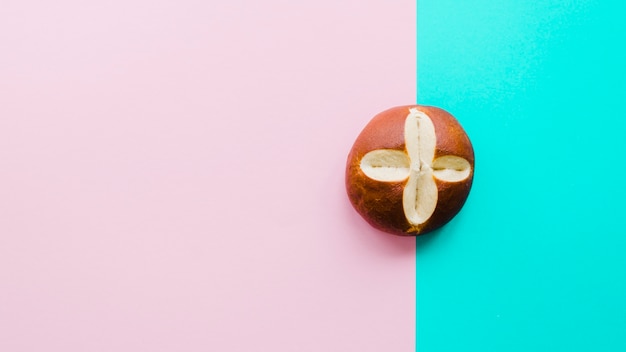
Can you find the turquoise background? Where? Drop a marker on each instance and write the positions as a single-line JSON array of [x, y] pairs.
[[536, 260]]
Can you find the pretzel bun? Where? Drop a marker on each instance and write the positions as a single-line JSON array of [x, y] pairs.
[[410, 170]]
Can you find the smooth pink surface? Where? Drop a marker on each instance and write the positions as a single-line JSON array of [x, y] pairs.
[[171, 176]]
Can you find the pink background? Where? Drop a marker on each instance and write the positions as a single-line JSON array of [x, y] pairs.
[[171, 176]]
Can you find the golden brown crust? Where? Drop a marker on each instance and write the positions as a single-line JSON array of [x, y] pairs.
[[380, 203]]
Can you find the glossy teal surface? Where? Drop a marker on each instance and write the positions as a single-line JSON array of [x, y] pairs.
[[536, 260]]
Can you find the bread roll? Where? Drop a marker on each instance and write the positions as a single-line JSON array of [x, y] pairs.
[[410, 170]]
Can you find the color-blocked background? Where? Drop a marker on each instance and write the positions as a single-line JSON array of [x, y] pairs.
[[536, 261], [171, 176], [108, 140]]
